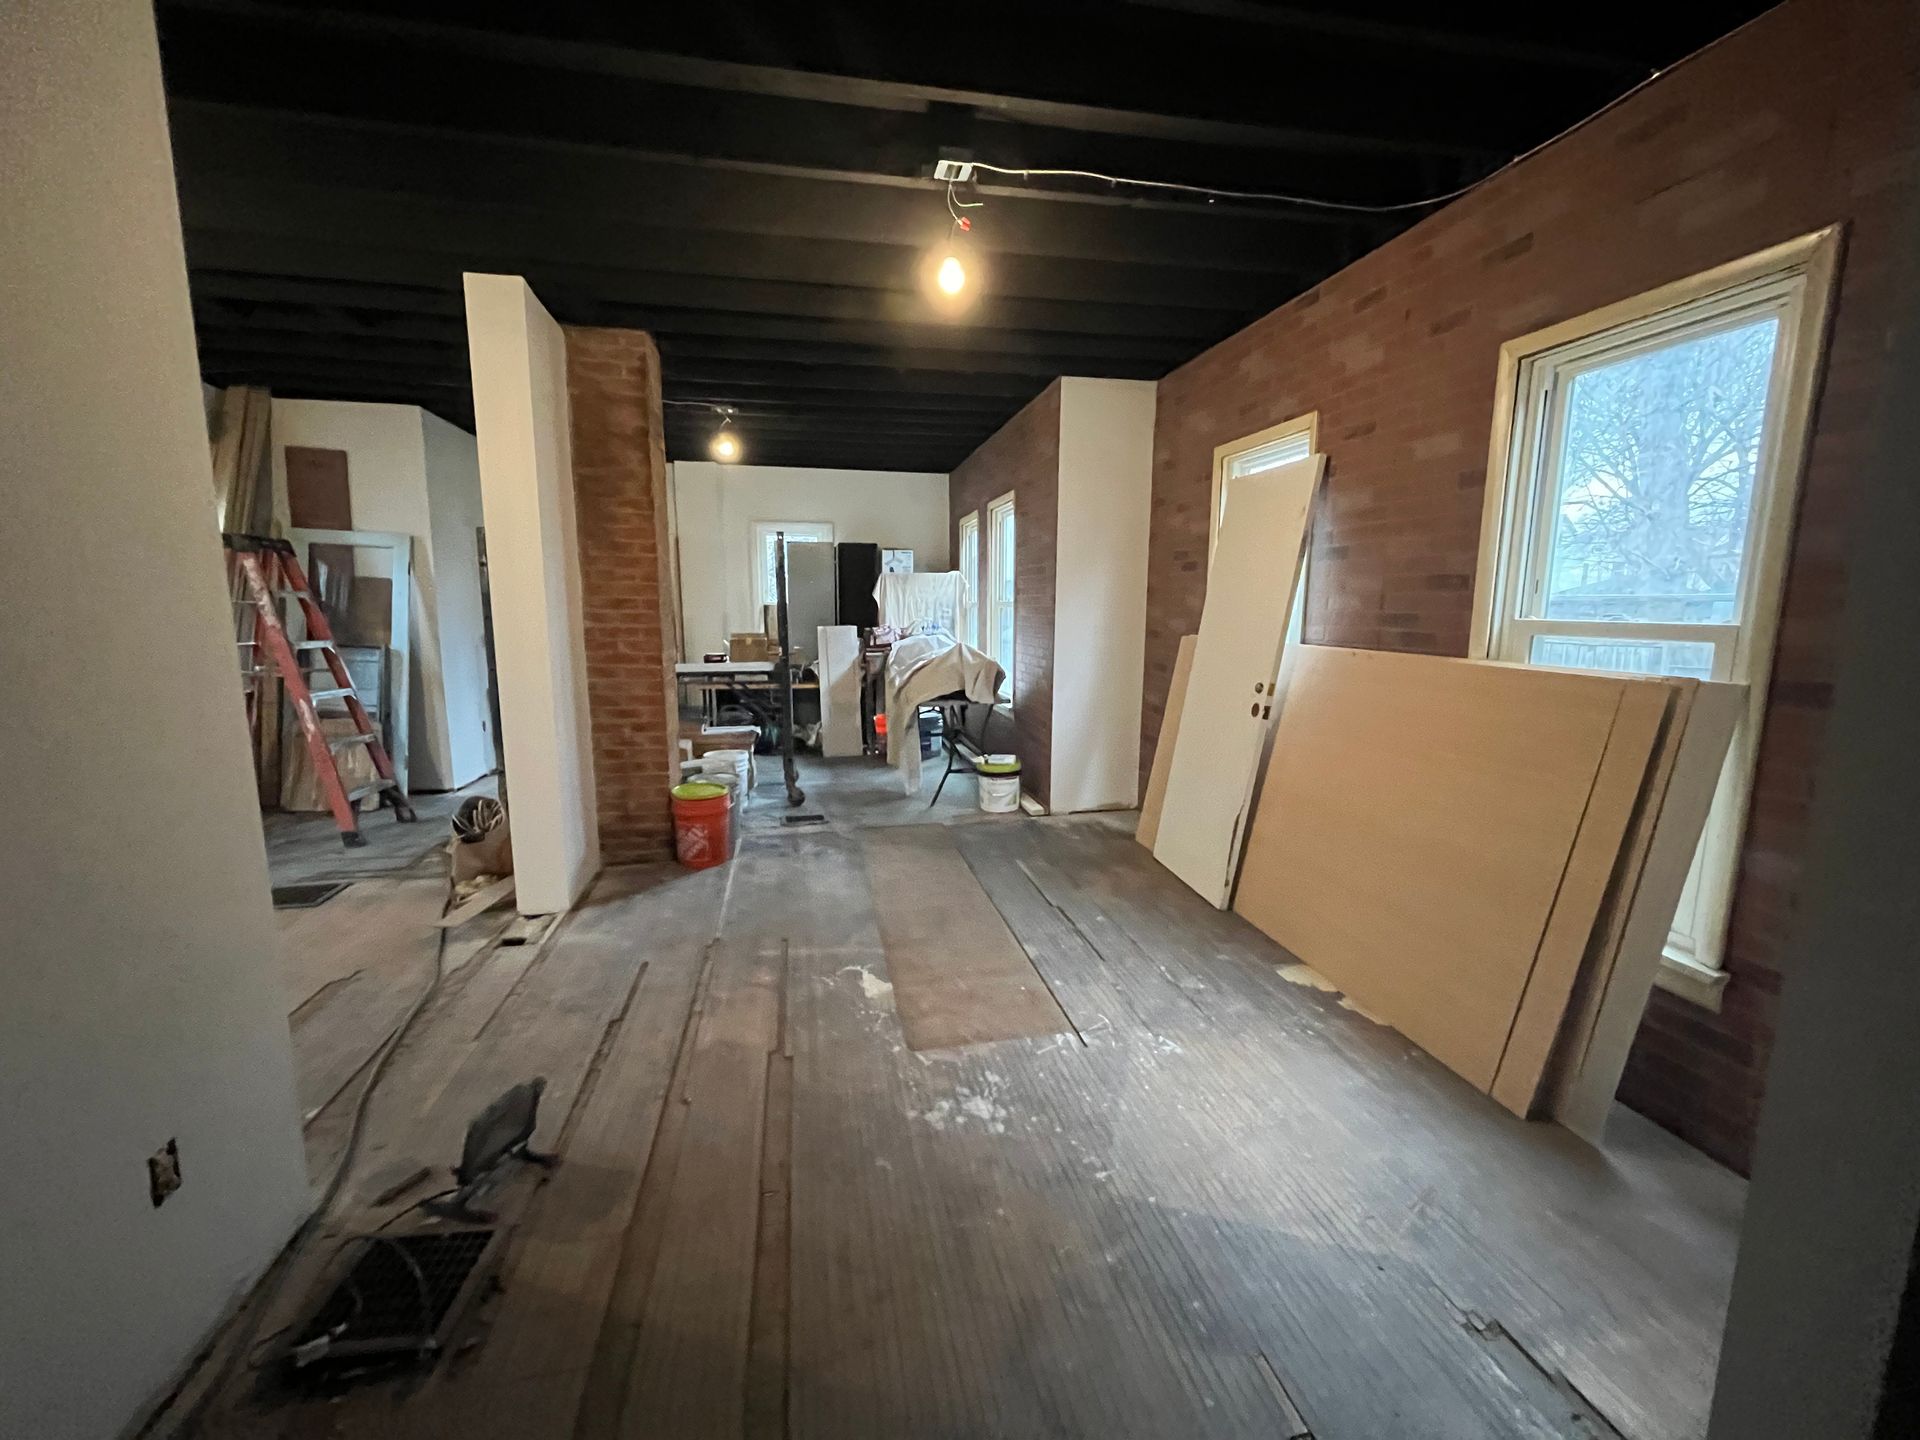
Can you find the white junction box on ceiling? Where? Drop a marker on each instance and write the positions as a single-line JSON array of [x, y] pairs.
[[957, 172]]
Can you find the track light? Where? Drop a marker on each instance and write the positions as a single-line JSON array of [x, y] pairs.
[[725, 445]]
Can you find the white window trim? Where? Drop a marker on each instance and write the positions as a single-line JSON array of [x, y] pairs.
[[990, 606], [970, 620], [756, 539], [1224, 455], [1810, 263]]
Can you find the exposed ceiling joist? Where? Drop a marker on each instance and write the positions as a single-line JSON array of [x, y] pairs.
[[749, 184]]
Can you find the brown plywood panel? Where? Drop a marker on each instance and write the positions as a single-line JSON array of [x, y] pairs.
[[1417, 820], [1149, 827], [318, 497], [1638, 724], [959, 977]]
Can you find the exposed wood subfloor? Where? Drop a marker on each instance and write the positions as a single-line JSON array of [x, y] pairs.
[[305, 846], [1218, 1204]]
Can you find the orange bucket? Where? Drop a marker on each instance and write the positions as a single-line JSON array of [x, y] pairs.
[[702, 824]]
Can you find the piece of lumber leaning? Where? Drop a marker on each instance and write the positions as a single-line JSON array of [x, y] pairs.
[[1148, 829], [1605, 1012]]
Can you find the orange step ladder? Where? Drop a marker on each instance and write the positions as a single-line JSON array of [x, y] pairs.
[[270, 571]]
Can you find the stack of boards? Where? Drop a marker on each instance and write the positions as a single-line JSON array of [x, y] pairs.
[[1487, 857]]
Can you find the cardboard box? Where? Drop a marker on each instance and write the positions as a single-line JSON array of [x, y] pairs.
[[722, 737], [746, 646]]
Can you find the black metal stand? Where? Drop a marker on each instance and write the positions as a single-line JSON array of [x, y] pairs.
[[783, 673], [953, 735]]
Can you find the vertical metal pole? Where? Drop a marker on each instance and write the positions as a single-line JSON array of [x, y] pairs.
[[783, 671]]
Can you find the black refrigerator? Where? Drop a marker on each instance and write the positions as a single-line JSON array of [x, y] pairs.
[[858, 570]]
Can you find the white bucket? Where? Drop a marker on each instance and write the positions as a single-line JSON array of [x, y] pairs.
[[999, 794], [734, 764]]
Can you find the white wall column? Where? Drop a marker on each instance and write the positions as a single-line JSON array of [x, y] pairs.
[[522, 420], [1100, 591]]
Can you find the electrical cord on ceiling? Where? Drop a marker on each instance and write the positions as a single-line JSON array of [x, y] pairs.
[[954, 207], [1312, 202]]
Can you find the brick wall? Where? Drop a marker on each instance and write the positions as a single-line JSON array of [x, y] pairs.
[[1023, 456], [620, 479], [1796, 122]]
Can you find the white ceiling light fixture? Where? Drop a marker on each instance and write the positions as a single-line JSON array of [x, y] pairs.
[[725, 445]]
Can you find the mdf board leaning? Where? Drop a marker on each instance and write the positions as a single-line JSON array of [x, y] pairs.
[[1417, 818], [1227, 710], [1444, 840]]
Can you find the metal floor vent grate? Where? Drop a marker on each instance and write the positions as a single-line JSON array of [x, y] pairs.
[[305, 897], [399, 1300]]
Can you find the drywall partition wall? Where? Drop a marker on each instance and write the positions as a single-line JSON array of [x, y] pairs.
[[627, 575], [518, 357], [1797, 121], [1827, 1242], [411, 472], [1023, 456], [718, 505], [143, 1000], [1100, 591]]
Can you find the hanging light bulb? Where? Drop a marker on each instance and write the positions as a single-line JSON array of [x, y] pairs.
[[950, 272], [725, 445]]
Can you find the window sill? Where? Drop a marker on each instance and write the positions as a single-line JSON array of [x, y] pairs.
[[1690, 980]]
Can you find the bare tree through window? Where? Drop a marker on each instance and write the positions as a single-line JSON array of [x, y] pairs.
[[1655, 489]]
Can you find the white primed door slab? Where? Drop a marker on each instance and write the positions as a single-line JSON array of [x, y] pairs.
[[1236, 660]]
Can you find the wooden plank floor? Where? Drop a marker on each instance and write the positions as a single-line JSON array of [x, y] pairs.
[[1220, 1204]]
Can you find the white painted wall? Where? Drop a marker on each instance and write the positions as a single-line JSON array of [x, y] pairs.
[[1100, 591], [519, 362], [716, 507], [411, 472], [142, 995], [455, 514]]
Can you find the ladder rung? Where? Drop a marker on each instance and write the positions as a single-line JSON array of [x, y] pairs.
[[373, 788], [333, 694], [341, 742], [295, 594], [313, 644]]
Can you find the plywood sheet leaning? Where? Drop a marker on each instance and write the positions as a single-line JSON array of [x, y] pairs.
[[959, 977], [1618, 789], [839, 669], [1417, 820], [1236, 659], [1633, 927], [1149, 828]]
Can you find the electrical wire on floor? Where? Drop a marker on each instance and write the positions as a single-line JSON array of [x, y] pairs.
[[241, 1351]]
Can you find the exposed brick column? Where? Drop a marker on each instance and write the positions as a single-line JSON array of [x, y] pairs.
[[632, 630]]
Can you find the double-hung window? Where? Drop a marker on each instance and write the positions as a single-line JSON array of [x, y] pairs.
[[970, 568], [766, 551], [1640, 500], [999, 594]]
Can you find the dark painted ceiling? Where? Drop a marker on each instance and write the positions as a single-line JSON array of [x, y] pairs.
[[748, 183]]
